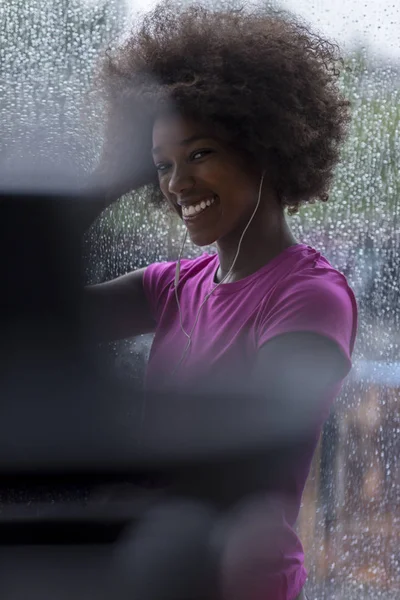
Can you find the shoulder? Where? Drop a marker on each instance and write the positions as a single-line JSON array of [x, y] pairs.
[[164, 272], [312, 297], [317, 285], [159, 277], [314, 281]]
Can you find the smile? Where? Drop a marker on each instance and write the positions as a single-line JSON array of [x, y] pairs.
[[188, 212]]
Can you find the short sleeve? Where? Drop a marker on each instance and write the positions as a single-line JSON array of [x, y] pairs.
[[157, 281], [323, 304]]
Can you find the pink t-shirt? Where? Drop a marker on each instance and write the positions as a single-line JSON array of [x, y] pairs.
[[297, 291]]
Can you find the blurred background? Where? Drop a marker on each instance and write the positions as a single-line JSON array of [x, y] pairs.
[[350, 519]]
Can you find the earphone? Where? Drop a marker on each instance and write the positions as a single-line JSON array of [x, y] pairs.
[[177, 276]]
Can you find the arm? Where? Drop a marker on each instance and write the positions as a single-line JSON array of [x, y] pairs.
[[106, 185], [299, 371], [118, 308]]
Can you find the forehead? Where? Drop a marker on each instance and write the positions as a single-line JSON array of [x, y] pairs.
[[173, 129]]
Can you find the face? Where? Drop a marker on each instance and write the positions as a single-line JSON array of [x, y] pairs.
[[207, 184]]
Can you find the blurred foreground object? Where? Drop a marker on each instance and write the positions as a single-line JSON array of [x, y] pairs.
[[70, 435], [54, 384]]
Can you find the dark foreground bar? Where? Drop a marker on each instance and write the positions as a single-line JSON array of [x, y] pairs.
[[84, 459]]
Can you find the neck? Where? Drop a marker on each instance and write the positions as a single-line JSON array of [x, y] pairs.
[[266, 238]]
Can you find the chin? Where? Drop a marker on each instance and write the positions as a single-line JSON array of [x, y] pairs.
[[202, 239]]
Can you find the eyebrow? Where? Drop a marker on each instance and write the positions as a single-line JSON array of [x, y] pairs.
[[185, 142]]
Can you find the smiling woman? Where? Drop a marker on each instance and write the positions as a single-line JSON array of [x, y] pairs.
[[233, 119], [211, 186]]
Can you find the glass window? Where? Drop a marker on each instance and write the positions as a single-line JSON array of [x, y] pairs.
[[350, 521]]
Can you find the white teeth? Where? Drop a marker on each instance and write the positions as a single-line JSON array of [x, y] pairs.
[[188, 211]]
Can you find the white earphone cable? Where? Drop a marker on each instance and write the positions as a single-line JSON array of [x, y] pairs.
[[177, 272]]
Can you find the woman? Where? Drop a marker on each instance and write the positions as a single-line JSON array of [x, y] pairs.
[[233, 118]]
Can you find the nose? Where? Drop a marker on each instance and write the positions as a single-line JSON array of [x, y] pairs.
[[181, 180]]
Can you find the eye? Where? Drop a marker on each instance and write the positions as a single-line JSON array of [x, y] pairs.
[[198, 154], [162, 167]]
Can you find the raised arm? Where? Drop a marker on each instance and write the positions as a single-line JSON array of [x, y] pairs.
[[118, 308]]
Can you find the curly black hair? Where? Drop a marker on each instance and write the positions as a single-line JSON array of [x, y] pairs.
[[260, 75]]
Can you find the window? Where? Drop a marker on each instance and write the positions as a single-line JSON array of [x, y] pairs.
[[350, 522]]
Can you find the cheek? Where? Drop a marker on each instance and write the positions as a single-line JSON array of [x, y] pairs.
[[238, 199], [164, 189], [163, 185], [171, 204]]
